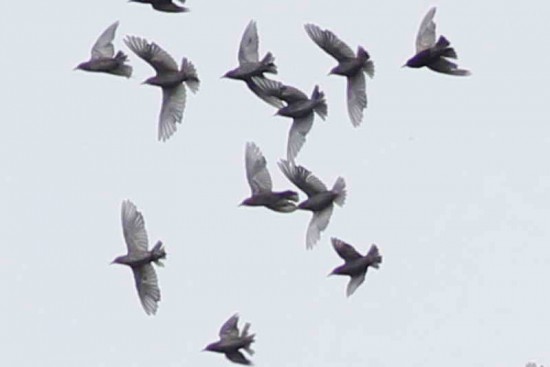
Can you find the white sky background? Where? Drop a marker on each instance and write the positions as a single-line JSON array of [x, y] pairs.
[[449, 176]]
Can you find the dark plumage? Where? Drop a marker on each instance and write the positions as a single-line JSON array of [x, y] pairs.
[[103, 57], [349, 65], [170, 78], [299, 107], [260, 183], [320, 200], [167, 6], [139, 258], [250, 64], [231, 341], [355, 265], [434, 54]]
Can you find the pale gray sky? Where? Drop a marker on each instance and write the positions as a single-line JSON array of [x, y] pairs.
[[447, 175]]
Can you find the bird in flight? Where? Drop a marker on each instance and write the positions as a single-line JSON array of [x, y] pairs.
[[231, 341]]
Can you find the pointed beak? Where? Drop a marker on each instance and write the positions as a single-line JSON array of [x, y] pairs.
[[404, 65]]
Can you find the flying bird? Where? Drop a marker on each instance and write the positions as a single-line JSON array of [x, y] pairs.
[[139, 258], [320, 200], [167, 6], [170, 78], [355, 265], [103, 57], [434, 54], [299, 107], [260, 183], [250, 64], [350, 65], [231, 341]]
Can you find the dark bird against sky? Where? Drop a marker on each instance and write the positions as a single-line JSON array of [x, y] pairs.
[[231, 341], [260, 183], [139, 258], [349, 65], [355, 265], [103, 56], [170, 78], [167, 6], [434, 54], [298, 106], [320, 200], [250, 64]]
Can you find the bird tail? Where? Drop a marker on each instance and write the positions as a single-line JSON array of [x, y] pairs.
[[374, 256], [122, 69], [268, 64], [442, 47], [249, 339], [368, 65], [339, 189], [158, 253], [192, 78], [321, 107]]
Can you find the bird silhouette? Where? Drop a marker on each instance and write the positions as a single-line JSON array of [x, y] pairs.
[[432, 54], [167, 6], [352, 66], [170, 78], [139, 258], [231, 341]]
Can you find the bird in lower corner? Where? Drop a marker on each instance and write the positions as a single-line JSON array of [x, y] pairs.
[[231, 341]]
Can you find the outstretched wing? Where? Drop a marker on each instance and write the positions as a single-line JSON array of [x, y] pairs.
[[344, 250], [133, 227], [155, 56], [256, 170], [319, 222], [302, 178], [297, 135], [357, 97], [329, 42], [237, 357], [171, 112], [147, 287], [229, 328], [354, 283], [426, 33], [248, 49], [103, 47]]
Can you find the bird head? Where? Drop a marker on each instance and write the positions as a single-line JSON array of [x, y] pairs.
[[81, 66], [246, 202], [117, 260]]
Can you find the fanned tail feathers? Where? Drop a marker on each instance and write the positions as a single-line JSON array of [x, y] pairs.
[[339, 189], [321, 107]]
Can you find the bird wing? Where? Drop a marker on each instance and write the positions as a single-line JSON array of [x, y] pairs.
[[354, 283], [229, 328], [319, 222], [171, 112], [444, 66], [329, 42], [133, 227], [248, 49], [426, 33], [237, 357], [169, 6], [302, 178], [256, 170], [344, 250], [357, 97], [103, 47], [147, 287], [263, 92], [155, 56], [297, 135]]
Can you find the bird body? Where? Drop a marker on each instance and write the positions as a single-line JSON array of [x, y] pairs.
[[231, 341], [139, 258], [171, 78], [261, 186], [320, 199], [352, 66], [431, 54], [166, 6], [356, 265], [103, 58]]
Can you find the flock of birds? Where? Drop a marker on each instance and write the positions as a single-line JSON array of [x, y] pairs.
[[290, 102]]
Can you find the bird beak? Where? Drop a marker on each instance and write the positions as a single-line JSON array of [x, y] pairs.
[[403, 65]]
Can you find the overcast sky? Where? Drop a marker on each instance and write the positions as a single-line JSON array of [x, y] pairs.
[[448, 176]]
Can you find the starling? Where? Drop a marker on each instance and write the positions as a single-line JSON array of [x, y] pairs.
[[230, 341], [356, 265], [320, 199], [298, 107], [103, 56], [170, 79], [166, 6], [139, 258], [433, 54], [250, 64], [260, 183], [349, 65]]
